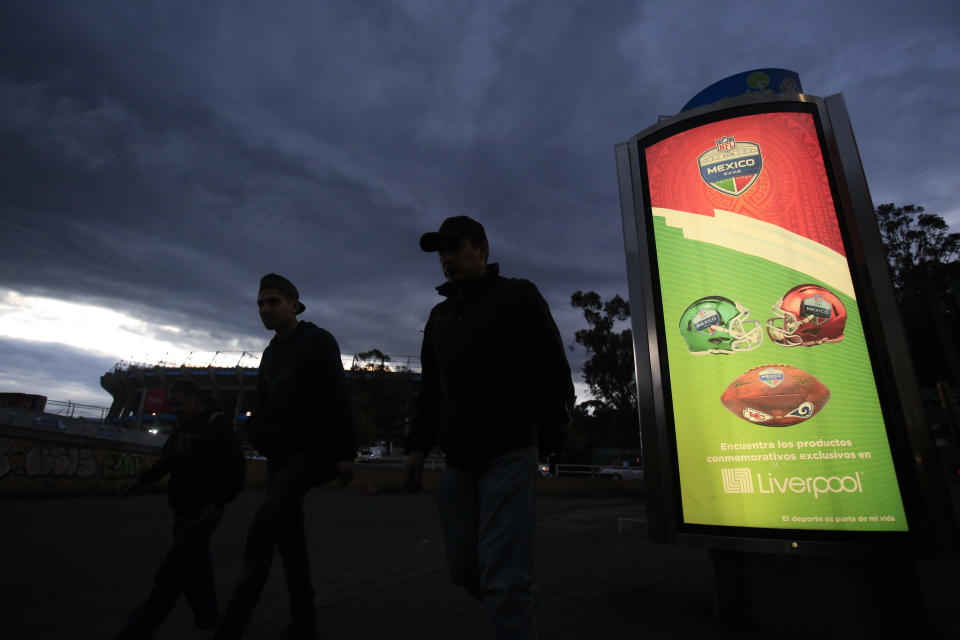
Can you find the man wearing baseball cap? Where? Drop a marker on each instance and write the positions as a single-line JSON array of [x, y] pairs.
[[303, 425], [495, 382]]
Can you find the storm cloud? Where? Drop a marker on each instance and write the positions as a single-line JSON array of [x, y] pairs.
[[158, 158]]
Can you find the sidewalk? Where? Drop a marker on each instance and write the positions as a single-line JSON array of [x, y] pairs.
[[76, 568]]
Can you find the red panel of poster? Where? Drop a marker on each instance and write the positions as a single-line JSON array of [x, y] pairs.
[[790, 191]]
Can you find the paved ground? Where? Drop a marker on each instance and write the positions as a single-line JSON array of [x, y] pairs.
[[75, 568]]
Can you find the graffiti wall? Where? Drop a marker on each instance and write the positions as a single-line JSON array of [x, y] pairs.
[[31, 466], [35, 463]]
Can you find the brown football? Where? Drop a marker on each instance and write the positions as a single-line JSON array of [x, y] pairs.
[[775, 395]]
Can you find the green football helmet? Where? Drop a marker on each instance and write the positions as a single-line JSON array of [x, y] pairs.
[[715, 324]]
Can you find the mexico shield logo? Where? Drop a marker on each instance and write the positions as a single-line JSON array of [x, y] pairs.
[[816, 307], [731, 167]]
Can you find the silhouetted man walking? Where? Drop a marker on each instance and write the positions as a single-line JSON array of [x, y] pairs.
[[207, 470], [303, 425], [495, 380]]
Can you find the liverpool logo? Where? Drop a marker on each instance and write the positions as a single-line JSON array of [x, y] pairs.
[[731, 167]]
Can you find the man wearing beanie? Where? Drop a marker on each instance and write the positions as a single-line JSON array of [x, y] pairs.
[[302, 424], [495, 383]]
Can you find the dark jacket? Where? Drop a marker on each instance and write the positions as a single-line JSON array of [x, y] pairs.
[[495, 373], [205, 463], [302, 397]]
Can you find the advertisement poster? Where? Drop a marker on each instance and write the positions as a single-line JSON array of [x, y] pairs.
[[777, 419]]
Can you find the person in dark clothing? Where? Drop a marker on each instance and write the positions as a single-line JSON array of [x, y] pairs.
[[496, 382], [303, 425], [207, 470]]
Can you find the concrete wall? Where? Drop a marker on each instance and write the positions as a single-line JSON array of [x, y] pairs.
[[88, 459], [383, 479], [38, 463]]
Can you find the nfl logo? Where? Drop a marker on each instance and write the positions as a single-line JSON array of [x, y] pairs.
[[725, 145], [731, 167]]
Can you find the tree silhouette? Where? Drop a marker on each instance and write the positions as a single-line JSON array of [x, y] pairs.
[[921, 252], [381, 397], [608, 370], [373, 360], [610, 418]]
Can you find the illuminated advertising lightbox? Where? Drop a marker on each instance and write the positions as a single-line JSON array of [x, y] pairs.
[[776, 418]]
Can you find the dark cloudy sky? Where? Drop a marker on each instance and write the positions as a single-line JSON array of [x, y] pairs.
[[159, 157]]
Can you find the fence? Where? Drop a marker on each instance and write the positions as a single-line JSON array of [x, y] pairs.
[[568, 470], [70, 409], [430, 464], [598, 471]]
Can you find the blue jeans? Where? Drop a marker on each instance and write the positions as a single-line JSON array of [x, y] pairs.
[[186, 569], [488, 519]]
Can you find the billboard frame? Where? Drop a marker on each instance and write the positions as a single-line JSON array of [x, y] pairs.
[[915, 459]]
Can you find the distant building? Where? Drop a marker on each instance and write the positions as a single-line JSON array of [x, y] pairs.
[[139, 390]]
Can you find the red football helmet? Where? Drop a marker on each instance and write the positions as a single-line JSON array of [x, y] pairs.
[[807, 315]]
